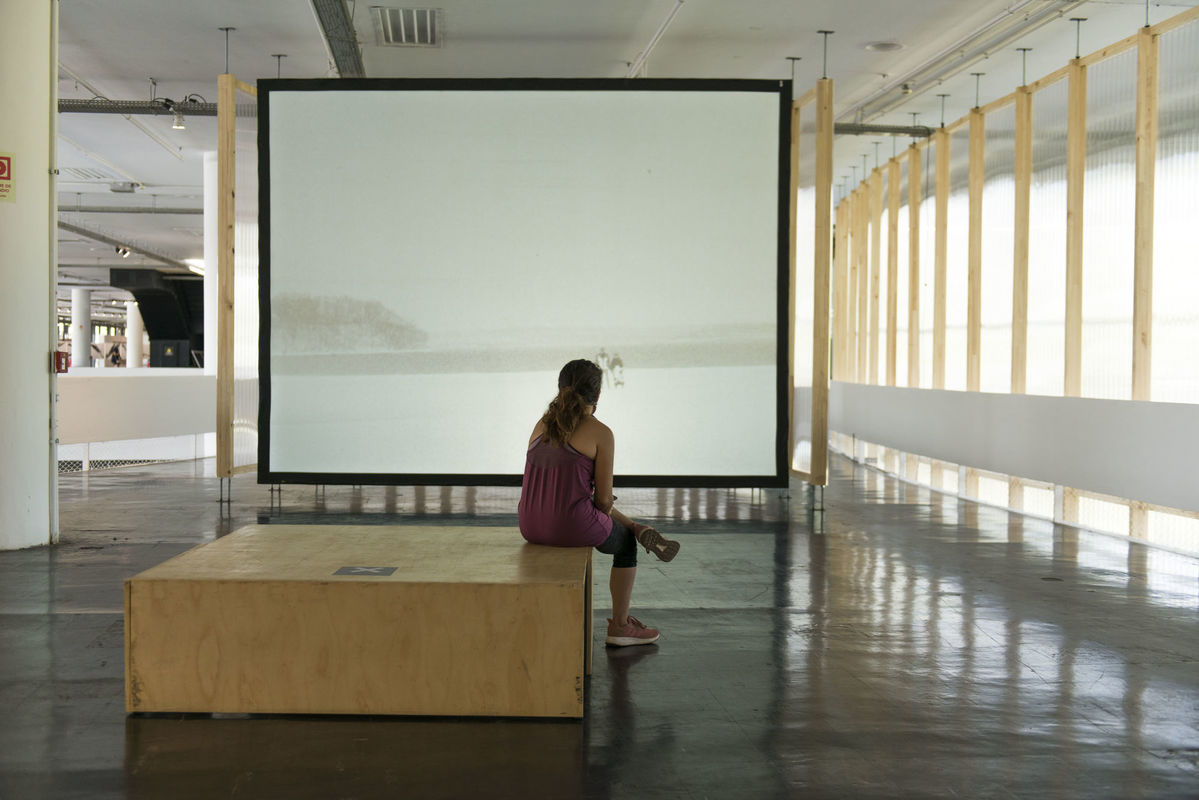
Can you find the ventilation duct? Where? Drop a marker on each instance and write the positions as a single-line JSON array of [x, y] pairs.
[[407, 27]]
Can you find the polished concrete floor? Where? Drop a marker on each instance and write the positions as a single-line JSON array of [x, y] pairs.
[[898, 643]]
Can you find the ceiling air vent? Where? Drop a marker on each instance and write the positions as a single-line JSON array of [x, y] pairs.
[[407, 27]]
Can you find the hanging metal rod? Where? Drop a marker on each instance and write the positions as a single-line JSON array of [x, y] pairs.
[[856, 129]]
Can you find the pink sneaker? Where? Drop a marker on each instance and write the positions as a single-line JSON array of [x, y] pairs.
[[632, 633], [654, 542]]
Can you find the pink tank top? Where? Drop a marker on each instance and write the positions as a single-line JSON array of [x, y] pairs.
[[555, 498]]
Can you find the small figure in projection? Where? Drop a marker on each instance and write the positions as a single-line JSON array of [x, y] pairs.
[[615, 370], [566, 495], [612, 367]]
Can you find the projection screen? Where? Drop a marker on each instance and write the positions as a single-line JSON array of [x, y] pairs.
[[433, 251]]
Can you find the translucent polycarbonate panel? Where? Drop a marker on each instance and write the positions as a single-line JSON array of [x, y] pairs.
[[1175, 375], [903, 253], [1108, 214], [805, 296], [998, 229], [1174, 530], [245, 287], [993, 490], [957, 259], [1098, 514], [1038, 501], [1047, 242]]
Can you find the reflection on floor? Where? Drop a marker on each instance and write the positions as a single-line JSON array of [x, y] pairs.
[[898, 643]]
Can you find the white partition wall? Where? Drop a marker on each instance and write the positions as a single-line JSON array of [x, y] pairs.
[[434, 252]]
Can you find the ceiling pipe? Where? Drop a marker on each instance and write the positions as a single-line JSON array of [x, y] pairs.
[[102, 105], [992, 37], [126, 210], [177, 152], [636, 66], [855, 129], [106, 239]]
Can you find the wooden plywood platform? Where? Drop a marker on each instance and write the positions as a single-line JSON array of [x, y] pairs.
[[362, 620]]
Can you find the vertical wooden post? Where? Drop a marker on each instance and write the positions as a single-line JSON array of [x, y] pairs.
[[911, 462], [941, 255], [1146, 155], [863, 281], [892, 266], [1020, 240], [226, 152], [841, 290], [913, 266], [1023, 193], [876, 221], [1076, 158], [823, 234], [974, 288], [974, 272], [1142, 291], [851, 296]]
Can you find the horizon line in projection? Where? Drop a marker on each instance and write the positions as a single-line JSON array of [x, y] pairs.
[[342, 335]]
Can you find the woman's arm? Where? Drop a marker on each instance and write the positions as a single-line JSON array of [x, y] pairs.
[[605, 443]]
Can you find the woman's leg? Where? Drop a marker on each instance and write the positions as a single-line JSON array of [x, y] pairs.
[[653, 542], [621, 584]]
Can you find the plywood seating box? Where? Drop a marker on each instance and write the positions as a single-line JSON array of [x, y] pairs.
[[332, 619]]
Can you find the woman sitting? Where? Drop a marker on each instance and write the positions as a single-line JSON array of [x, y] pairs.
[[566, 495]]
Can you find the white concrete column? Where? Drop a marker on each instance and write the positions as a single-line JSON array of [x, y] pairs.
[[29, 255], [211, 292], [134, 331], [81, 327]]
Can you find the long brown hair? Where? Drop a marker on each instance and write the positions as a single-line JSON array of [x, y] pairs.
[[578, 387]]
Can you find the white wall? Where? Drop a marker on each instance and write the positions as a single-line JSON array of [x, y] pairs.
[[1136, 450], [99, 405], [28, 474]]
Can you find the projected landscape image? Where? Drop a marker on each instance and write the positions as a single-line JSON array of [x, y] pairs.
[[420, 311]]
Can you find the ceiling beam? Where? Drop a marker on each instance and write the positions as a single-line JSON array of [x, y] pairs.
[[341, 42], [106, 239]]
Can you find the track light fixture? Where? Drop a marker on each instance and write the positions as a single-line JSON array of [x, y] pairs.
[[122, 251]]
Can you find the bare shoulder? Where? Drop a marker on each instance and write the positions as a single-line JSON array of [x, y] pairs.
[[596, 429], [538, 430]]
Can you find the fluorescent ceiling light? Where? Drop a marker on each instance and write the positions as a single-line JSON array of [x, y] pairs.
[[196, 265]]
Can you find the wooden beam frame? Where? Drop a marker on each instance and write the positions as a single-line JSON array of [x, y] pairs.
[[892, 266], [1146, 161], [841, 290], [226, 183], [823, 234], [863, 286], [941, 257], [974, 289], [913, 267], [1076, 158], [876, 221], [1020, 240], [851, 294]]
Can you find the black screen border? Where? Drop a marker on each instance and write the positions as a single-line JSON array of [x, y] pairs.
[[783, 372]]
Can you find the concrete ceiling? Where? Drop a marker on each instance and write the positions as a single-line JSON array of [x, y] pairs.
[[114, 47]]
